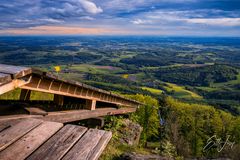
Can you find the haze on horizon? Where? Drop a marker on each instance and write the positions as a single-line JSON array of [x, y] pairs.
[[121, 17]]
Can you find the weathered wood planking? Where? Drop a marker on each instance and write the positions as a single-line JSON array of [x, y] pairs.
[[35, 111], [76, 115], [3, 127], [83, 149], [8, 123], [101, 146], [71, 115], [15, 83], [23, 147], [5, 78], [34, 139], [16, 131], [58, 145], [6, 119], [15, 71]]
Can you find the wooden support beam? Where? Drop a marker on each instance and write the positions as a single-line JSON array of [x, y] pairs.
[[58, 99], [35, 111], [71, 115], [49, 85], [77, 115], [90, 104], [25, 95], [13, 85], [95, 122]]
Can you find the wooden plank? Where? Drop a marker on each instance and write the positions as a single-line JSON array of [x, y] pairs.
[[76, 115], [3, 127], [5, 78], [4, 119], [71, 115], [101, 146], [58, 145], [13, 133], [23, 147], [83, 148], [8, 123], [12, 85], [15, 71], [35, 111]]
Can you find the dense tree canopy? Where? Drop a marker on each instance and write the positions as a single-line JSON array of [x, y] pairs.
[[191, 126], [197, 76]]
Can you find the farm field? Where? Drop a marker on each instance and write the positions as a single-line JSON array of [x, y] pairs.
[[202, 70]]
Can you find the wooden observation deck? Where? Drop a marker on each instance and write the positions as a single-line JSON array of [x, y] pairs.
[[38, 132], [33, 139]]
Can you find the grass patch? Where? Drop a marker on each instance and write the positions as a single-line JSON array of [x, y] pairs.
[[95, 69], [114, 150], [15, 95], [181, 92], [232, 82], [153, 90]]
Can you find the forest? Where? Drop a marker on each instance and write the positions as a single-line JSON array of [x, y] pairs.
[[190, 86]]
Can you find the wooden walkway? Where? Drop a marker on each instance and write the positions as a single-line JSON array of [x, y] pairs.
[[34, 139]]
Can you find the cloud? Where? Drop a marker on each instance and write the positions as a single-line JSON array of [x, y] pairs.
[[90, 7], [215, 21], [25, 13], [217, 18], [122, 16], [140, 21], [56, 30]]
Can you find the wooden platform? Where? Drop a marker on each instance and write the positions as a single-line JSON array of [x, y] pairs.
[[28, 79], [71, 115], [34, 139]]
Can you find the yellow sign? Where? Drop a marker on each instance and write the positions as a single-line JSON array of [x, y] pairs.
[[125, 76], [57, 68]]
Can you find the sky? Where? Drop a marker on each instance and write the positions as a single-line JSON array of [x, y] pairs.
[[120, 17]]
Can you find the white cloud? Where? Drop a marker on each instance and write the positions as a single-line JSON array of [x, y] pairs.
[[50, 20], [198, 17], [90, 7], [215, 21], [140, 21], [87, 18]]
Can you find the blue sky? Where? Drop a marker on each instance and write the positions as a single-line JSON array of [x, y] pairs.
[[121, 17]]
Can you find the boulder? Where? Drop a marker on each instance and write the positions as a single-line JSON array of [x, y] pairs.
[[130, 132]]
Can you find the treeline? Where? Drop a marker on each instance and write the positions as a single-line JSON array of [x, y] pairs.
[[123, 89], [52, 57], [185, 129], [197, 76], [189, 127], [146, 60], [108, 79]]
